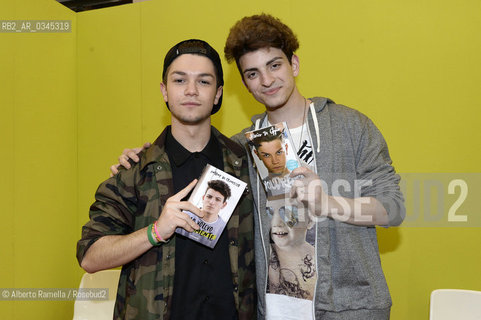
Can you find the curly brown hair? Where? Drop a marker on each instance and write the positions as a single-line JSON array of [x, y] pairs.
[[256, 32]]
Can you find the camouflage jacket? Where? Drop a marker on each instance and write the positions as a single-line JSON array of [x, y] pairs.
[[133, 199]]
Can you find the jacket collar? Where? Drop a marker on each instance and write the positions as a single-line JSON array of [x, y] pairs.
[[156, 153]]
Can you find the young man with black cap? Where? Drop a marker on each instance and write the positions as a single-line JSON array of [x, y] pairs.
[[134, 217]]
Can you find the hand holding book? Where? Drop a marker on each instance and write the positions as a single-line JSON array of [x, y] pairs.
[[307, 189], [173, 215]]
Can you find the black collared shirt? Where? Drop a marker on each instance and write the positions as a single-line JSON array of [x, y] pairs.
[[203, 287]]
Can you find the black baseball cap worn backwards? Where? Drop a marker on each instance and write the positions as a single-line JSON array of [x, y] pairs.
[[202, 48]]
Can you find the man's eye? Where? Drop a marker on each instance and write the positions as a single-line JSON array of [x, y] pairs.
[[266, 155], [269, 210], [251, 75], [178, 80], [204, 82], [275, 66]]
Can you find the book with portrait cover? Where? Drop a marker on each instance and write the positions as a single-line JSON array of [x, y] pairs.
[[216, 194], [275, 157]]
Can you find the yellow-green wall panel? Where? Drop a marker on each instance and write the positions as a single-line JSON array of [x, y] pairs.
[[39, 139], [7, 227], [109, 93], [411, 66]]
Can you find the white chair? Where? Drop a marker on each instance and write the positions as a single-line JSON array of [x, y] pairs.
[[453, 304], [97, 309]]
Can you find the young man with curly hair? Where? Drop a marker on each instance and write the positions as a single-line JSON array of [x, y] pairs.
[[346, 183], [338, 146]]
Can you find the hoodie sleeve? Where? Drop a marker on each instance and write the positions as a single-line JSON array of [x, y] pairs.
[[374, 164]]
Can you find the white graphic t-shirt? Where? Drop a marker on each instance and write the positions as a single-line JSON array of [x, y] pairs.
[[292, 264], [303, 143]]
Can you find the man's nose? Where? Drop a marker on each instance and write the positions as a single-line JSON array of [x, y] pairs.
[[267, 79], [191, 89]]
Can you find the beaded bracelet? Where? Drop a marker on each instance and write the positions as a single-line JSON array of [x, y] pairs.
[[151, 237]]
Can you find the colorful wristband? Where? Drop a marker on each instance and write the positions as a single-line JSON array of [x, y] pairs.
[[151, 237], [157, 235]]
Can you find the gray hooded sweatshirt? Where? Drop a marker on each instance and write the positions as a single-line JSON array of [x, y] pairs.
[[350, 280]]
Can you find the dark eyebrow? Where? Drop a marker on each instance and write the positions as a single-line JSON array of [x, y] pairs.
[[268, 63], [181, 73], [206, 75], [250, 69], [273, 60]]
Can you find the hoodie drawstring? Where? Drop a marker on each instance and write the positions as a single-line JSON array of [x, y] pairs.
[[258, 121], [316, 126]]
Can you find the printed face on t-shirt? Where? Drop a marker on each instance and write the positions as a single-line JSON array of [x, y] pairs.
[[289, 224]]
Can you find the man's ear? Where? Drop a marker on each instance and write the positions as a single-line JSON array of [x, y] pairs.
[[218, 94], [163, 89], [295, 65], [223, 206]]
